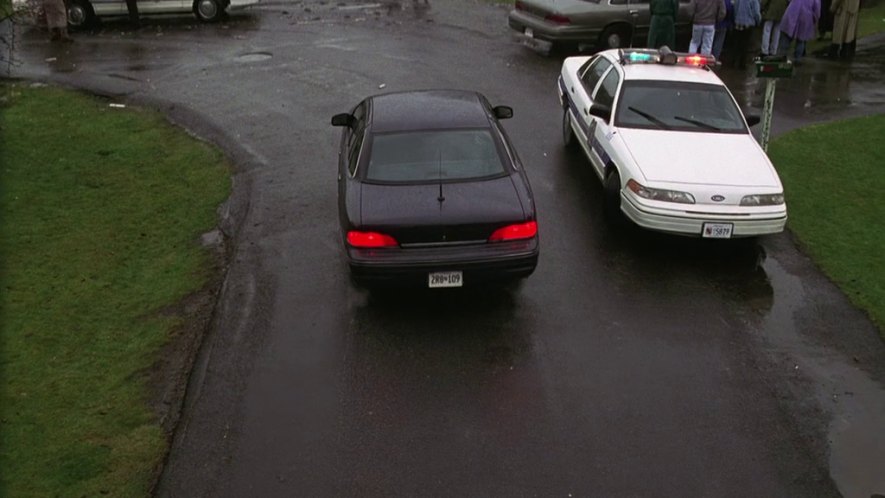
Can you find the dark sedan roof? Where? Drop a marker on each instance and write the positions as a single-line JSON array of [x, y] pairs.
[[428, 110]]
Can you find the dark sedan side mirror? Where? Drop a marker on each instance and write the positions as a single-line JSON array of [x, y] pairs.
[[753, 119], [503, 112], [343, 119], [600, 111]]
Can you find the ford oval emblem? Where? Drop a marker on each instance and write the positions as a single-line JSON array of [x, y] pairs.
[[717, 198]]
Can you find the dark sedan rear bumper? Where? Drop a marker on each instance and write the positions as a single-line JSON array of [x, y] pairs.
[[410, 267]]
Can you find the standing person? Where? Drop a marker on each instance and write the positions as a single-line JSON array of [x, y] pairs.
[[132, 8], [825, 24], [746, 17], [57, 20], [799, 24], [704, 16], [722, 29], [662, 30], [772, 13], [844, 28]]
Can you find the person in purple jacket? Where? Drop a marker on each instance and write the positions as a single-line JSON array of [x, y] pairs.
[[800, 24]]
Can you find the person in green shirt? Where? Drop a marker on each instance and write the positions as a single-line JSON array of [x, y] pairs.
[[662, 30]]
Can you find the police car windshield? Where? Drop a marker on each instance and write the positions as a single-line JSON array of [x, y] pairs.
[[679, 106]]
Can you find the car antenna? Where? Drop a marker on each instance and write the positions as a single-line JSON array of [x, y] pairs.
[[441, 197]]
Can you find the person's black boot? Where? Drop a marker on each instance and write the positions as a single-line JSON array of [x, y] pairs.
[[848, 50]]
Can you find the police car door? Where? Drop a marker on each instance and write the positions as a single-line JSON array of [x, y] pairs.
[[603, 130], [590, 75]]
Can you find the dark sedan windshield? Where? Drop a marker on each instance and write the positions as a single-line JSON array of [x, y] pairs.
[[681, 106], [431, 156]]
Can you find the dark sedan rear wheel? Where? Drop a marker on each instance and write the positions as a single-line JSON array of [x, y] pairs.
[[568, 134], [208, 10], [617, 36], [80, 14]]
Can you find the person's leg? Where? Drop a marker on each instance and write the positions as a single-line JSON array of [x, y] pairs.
[[742, 39], [56, 20], [800, 49], [775, 35], [766, 35], [783, 45], [707, 40], [695, 42], [718, 43]]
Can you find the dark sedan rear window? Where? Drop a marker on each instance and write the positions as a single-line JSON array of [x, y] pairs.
[[431, 156]]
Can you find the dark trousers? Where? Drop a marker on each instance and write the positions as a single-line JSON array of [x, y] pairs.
[[740, 46]]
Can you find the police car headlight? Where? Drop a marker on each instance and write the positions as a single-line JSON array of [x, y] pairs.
[[658, 194], [762, 200]]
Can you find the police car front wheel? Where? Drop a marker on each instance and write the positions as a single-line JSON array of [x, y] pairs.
[[611, 197]]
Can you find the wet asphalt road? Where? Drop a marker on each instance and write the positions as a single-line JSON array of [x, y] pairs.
[[629, 364]]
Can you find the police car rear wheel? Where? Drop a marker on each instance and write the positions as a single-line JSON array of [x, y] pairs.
[[568, 135]]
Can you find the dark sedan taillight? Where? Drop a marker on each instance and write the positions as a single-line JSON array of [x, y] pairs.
[[370, 239], [558, 19], [515, 232]]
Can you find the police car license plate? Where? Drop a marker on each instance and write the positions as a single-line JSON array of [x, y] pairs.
[[717, 230], [445, 279], [529, 33]]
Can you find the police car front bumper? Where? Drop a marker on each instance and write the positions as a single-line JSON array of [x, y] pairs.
[[748, 223]]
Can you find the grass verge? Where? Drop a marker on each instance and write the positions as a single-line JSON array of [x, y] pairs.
[[833, 179], [100, 212]]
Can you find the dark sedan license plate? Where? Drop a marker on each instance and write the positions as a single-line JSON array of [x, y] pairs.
[[717, 230], [445, 279]]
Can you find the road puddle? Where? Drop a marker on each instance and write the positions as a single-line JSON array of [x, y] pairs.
[[854, 401], [253, 57]]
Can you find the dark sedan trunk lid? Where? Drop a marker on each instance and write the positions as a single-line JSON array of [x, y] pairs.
[[414, 215]]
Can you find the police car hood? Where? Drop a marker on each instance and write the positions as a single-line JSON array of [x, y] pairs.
[[700, 158]]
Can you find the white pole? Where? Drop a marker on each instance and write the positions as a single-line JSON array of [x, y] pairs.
[[767, 111]]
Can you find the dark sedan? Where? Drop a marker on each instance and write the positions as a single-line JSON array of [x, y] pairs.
[[604, 24], [431, 193]]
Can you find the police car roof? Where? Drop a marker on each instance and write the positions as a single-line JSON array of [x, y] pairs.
[[670, 73], [663, 72]]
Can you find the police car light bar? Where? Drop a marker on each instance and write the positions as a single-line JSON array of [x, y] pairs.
[[698, 60], [665, 56]]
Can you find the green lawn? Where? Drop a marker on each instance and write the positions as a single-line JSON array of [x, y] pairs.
[[834, 182], [100, 215]]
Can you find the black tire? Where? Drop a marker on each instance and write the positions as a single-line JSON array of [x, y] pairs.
[[617, 36], [568, 134], [208, 10], [80, 14], [611, 197]]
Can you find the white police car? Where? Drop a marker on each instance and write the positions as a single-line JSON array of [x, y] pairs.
[[671, 146]]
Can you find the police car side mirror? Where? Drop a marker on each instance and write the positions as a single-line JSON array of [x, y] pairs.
[[753, 119], [600, 111], [343, 119], [503, 112]]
